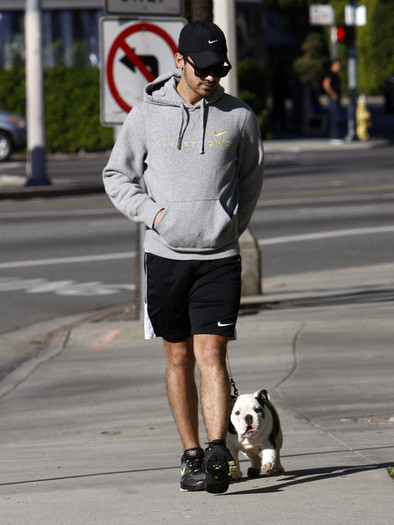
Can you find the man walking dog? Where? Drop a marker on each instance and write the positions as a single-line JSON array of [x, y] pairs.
[[199, 154]]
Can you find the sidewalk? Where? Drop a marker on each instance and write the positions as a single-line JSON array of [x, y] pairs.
[[87, 436]]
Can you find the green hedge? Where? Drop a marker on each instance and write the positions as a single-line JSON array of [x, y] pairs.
[[72, 107], [13, 91]]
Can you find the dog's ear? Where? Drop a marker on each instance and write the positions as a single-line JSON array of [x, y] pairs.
[[262, 396]]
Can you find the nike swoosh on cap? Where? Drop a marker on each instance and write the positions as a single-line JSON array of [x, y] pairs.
[[224, 324], [212, 41]]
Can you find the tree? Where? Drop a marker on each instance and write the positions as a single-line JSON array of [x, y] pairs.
[[375, 47], [311, 65], [198, 10]]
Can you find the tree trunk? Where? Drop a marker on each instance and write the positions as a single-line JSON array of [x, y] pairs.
[[198, 10]]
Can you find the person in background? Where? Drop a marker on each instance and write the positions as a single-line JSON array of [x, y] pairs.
[[332, 86]]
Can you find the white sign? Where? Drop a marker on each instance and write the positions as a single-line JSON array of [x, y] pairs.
[[321, 15], [355, 16], [144, 7], [133, 53]]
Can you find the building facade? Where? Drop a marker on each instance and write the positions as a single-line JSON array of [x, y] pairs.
[[70, 31], [70, 34]]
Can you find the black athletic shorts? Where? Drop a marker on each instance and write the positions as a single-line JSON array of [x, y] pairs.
[[185, 298]]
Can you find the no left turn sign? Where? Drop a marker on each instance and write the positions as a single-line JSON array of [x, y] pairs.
[[133, 53]]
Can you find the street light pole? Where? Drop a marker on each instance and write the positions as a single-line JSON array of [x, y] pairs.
[[224, 17], [36, 162]]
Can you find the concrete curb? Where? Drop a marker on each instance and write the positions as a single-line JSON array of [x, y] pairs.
[[29, 192], [271, 147], [314, 145]]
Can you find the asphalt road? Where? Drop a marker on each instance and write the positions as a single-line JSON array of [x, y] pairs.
[[326, 210], [63, 256], [319, 211]]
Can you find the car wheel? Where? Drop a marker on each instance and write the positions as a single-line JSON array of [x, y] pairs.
[[5, 146]]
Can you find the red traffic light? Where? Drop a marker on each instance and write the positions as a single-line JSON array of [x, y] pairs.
[[341, 33]]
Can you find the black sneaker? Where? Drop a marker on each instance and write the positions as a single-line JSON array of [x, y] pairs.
[[219, 467], [192, 470]]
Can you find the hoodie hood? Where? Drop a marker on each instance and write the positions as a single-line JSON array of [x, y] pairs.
[[162, 91]]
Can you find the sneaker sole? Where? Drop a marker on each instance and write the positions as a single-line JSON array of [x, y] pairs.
[[219, 473]]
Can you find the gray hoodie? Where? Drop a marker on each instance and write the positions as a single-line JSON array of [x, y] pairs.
[[202, 164]]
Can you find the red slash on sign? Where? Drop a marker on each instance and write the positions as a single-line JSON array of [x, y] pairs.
[[120, 43]]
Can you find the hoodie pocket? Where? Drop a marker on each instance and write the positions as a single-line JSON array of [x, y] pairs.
[[195, 225]]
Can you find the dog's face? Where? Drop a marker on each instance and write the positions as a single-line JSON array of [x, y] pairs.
[[247, 414]]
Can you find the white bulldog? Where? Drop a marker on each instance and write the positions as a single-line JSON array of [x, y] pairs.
[[255, 430]]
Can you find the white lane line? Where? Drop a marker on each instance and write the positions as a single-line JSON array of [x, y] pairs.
[[67, 260], [325, 235], [65, 288], [261, 242]]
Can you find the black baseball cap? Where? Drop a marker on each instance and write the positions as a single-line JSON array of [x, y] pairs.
[[204, 42]]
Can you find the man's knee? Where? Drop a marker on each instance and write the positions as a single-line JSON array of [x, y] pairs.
[[210, 350], [179, 355]]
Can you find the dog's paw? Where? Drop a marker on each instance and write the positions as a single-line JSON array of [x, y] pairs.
[[253, 472], [272, 468], [238, 476]]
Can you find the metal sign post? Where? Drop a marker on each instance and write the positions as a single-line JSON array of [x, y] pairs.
[[324, 15], [36, 164], [352, 72]]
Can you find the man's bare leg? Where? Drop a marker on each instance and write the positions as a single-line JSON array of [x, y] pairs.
[[210, 352], [182, 391]]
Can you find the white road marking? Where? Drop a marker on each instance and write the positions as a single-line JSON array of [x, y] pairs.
[[67, 260], [66, 288], [262, 242], [317, 236]]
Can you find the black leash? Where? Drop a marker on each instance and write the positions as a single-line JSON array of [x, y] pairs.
[[235, 390]]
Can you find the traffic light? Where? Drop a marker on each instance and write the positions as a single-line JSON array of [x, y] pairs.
[[345, 34], [341, 33]]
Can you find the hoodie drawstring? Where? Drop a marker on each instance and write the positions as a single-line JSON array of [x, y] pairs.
[[185, 118], [184, 123], [203, 113]]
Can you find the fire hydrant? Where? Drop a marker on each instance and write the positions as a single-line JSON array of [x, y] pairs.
[[363, 119]]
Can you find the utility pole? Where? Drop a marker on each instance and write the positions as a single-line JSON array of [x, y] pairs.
[[352, 72], [224, 17], [36, 162]]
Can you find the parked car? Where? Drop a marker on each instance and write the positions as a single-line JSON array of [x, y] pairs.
[[12, 134]]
